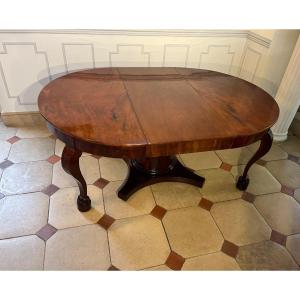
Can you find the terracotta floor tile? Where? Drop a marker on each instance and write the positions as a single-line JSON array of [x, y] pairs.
[[158, 212], [175, 261]]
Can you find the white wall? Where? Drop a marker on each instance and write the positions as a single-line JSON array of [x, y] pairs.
[[30, 59]]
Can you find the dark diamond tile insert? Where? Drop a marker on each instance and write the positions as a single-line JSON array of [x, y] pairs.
[[230, 249], [13, 139], [5, 164], [46, 232], [226, 167], [278, 238], [112, 268], [106, 221], [261, 162], [101, 183], [287, 190], [53, 159], [175, 261], [158, 212], [293, 158], [50, 189], [248, 197], [206, 204]]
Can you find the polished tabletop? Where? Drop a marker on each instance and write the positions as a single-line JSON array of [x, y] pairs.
[[128, 112]]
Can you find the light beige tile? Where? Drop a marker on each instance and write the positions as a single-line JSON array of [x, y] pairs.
[[158, 268], [61, 178], [297, 195], [293, 245], [219, 185], [140, 203], [275, 153], [6, 132], [281, 211], [137, 243], [89, 168], [23, 214], [201, 160], [33, 131], [23, 253], [26, 177], [240, 222], [113, 169], [63, 212], [4, 150], [172, 195], [59, 147], [79, 248], [31, 150], [261, 180], [265, 256], [191, 231], [237, 156], [291, 146], [286, 172], [211, 262]]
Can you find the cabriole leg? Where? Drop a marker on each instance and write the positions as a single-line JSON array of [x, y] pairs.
[[264, 147], [70, 163]]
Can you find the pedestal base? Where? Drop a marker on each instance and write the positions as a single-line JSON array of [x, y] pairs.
[[148, 171]]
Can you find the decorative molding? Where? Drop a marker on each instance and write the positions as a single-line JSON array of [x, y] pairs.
[[77, 44], [176, 46], [4, 44], [173, 33], [257, 63], [141, 46], [217, 46]]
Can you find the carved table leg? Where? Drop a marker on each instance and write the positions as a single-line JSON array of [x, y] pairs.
[[70, 163], [264, 147]]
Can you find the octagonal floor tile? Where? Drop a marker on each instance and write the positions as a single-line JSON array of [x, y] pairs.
[[293, 245], [261, 180], [33, 131], [113, 169], [201, 160], [219, 185], [26, 177], [291, 145], [4, 150], [275, 153], [138, 243], [281, 211], [6, 132], [79, 248], [22, 254], [140, 203], [31, 150], [286, 172], [192, 231], [172, 195], [297, 195], [63, 212], [266, 255], [240, 222], [211, 262], [59, 147], [23, 214], [236, 156]]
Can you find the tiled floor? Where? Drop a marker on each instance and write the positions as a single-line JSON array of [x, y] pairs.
[[168, 226]]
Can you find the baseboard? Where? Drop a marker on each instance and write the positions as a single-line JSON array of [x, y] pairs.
[[19, 119]]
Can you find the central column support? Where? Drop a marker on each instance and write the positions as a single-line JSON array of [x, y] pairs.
[[147, 171]]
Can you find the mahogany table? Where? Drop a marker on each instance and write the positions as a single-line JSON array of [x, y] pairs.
[[148, 115]]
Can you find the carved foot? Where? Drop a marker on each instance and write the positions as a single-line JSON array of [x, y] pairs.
[[83, 203], [242, 183]]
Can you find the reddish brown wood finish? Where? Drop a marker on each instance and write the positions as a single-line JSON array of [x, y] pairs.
[[151, 112]]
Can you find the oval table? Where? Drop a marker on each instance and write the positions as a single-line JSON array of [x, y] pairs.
[[148, 115]]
